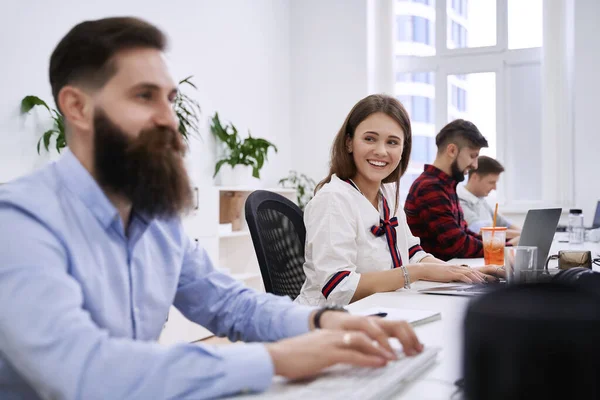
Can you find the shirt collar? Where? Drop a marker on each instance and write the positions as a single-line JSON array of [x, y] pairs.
[[79, 181], [356, 192], [439, 174], [465, 195]]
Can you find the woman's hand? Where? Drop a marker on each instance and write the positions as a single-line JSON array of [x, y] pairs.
[[496, 271], [448, 273]]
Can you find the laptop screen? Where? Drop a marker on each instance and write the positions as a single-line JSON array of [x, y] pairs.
[[538, 231], [596, 223]]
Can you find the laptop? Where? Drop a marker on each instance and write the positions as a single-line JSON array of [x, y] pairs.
[[596, 223], [538, 230]]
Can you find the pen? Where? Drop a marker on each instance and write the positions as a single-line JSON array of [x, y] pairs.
[[379, 314]]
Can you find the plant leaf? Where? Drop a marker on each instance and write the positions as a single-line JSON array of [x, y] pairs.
[[187, 110], [47, 136], [217, 129], [188, 81], [29, 102], [58, 145], [218, 166]]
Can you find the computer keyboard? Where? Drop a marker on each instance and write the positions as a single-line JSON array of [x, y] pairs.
[[346, 382]]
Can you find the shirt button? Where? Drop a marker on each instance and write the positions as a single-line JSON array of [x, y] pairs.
[[136, 310]]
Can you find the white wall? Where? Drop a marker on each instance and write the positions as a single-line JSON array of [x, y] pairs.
[[238, 51], [587, 93], [329, 75]]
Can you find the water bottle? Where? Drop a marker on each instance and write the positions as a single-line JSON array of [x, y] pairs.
[[576, 229]]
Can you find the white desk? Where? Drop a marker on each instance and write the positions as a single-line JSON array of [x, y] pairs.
[[438, 381]]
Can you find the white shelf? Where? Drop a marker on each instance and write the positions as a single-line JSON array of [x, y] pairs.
[[234, 234], [252, 189]]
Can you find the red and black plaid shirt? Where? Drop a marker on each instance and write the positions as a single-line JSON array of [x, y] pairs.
[[434, 215]]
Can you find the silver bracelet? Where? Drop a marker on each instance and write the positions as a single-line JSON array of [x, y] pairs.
[[406, 277]]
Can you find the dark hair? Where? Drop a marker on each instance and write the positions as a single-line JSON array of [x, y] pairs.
[[487, 165], [342, 164], [461, 133], [84, 55]]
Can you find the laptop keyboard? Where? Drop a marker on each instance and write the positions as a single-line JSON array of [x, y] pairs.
[[485, 287]]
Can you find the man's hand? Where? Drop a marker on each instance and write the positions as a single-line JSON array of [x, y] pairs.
[[376, 328], [306, 355]]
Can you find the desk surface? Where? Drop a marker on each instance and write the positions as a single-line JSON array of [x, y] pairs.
[[438, 381]]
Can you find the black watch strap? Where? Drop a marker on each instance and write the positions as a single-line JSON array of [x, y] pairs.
[[317, 317]]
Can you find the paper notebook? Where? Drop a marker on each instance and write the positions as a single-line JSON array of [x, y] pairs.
[[414, 317]]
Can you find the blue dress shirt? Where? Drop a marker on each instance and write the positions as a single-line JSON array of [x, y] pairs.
[[82, 303]]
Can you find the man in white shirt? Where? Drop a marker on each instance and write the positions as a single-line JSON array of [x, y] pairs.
[[477, 211]]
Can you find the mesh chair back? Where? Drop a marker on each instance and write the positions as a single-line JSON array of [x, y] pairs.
[[278, 234]]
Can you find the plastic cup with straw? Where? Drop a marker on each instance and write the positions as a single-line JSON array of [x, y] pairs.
[[494, 223], [493, 250]]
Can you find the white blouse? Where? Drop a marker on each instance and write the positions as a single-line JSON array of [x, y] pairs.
[[340, 245]]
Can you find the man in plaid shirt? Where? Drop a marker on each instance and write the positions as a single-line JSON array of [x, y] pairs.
[[432, 207]]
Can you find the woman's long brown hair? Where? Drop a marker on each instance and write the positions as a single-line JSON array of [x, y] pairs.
[[342, 164]]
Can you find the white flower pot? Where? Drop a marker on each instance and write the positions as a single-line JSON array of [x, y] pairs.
[[240, 175]]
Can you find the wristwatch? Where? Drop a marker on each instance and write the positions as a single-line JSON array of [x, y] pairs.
[[317, 317]]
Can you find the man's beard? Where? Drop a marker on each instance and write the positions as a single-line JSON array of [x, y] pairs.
[[457, 174], [148, 170]]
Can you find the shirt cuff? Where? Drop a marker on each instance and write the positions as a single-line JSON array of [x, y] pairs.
[[344, 291], [296, 321], [417, 258], [249, 367]]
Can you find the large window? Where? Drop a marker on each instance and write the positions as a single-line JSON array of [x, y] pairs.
[[413, 29], [486, 68], [471, 23], [525, 29], [473, 97]]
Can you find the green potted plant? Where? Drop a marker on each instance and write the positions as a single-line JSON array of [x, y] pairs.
[[239, 155], [187, 110], [305, 187], [58, 123]]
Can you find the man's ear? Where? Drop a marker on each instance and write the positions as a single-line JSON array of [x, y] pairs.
[[452, 150], [76, 106]]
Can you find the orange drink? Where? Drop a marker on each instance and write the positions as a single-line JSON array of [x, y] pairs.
[[494, 242]]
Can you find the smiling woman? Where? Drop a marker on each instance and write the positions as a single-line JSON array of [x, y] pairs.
[[357, 239]]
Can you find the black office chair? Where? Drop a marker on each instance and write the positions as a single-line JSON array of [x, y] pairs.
[[278, 233]]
